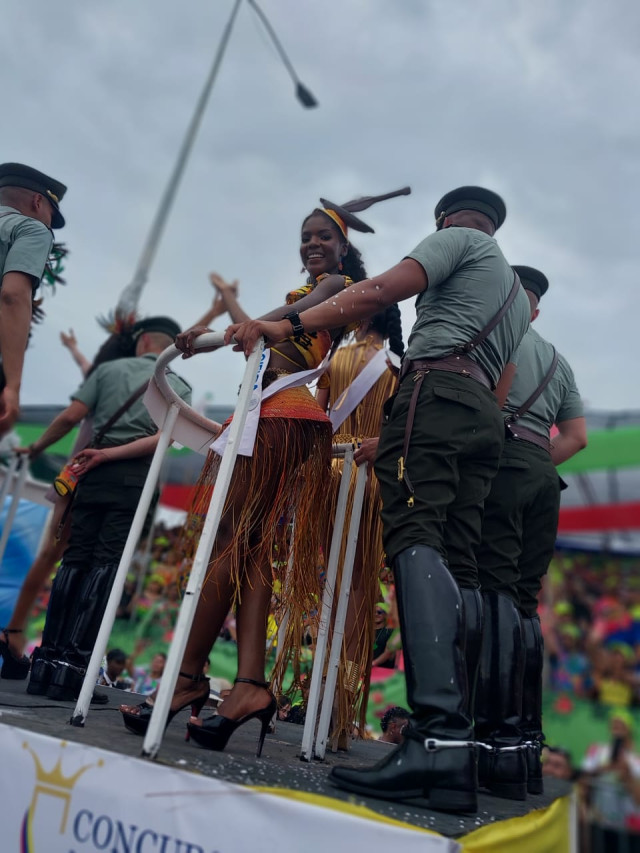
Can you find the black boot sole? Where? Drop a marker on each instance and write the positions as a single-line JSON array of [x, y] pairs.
[[447, 800], [508, 790], [37, 688], [366, 791], [438, 799], [535, 786], [64, 694], [60, 694]]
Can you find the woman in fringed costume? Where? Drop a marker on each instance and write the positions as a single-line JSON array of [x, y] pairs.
[[286, 477], [362, 423]]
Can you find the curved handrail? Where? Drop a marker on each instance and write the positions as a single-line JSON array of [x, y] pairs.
[[167, 423], [207, 339]]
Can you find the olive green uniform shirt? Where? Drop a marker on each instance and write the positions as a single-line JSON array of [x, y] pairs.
[[25, 244], [469, 281], [560, 400], [111, 385]]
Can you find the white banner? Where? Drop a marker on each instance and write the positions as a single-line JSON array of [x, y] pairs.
[[62, 797]]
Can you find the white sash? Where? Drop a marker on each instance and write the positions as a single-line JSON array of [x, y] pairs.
[[293, 380], [355, 393]]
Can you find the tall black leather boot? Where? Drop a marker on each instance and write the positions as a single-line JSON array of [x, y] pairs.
[[474, 620], [437, 758], [72, 662], [502, 762], [64, 594], [532, 701]]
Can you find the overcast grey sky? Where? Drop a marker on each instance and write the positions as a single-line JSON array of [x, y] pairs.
[[534, 100]]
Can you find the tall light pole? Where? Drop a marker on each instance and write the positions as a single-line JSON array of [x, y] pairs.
[[130, 296]]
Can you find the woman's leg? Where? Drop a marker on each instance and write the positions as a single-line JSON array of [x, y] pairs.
[[42, 567], [251, 624]]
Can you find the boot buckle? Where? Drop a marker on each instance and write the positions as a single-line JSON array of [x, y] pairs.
[[70, 666], [432, 744]]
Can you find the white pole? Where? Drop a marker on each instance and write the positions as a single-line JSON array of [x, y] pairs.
[[11, 514], [84, 699], [341, 614], [161, 706], [130, 296], [315, 690], [8, 478]]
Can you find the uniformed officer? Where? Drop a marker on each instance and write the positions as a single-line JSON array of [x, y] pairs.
[[29, 209], [438, 452], [112, 477], [518, 539]]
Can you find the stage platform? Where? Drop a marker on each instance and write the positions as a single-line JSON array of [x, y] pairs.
[[200, 801]]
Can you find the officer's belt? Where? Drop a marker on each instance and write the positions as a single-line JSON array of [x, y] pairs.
[[461, 364], [520, 433]]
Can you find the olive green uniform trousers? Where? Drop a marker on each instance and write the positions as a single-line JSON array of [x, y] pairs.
[[520, 524], [453, 455]]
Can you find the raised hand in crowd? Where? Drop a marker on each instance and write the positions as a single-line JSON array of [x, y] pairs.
[[70, 341]]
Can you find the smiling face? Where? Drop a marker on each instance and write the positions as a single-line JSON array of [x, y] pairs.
[[322, 246]]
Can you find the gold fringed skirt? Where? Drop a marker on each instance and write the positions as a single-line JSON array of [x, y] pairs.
[[283, 508]]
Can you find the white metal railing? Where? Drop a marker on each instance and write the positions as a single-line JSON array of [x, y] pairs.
[[314, 741], [177, 421], [14, 482]]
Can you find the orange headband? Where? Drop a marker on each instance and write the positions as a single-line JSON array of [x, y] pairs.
[[338, 220]]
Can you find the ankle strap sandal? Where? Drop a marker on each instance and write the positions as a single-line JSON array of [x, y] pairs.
[[197, 679], [265, 684]]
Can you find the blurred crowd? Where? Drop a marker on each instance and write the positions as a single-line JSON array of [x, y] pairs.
[[590, 612], [591, 626]]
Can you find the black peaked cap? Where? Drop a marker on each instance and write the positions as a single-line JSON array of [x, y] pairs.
[[473, 198], [533, 280], [19, 175], [164, 325]]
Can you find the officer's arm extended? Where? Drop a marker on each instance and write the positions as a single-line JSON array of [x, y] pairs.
[[59, 427], [357, 302], [91, 457], [15, 320]]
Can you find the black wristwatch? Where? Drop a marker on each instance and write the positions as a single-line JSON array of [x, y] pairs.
[[294, 318]]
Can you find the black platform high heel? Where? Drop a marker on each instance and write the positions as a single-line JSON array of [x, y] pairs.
[[13, 668], [138, 722], [214, 733]]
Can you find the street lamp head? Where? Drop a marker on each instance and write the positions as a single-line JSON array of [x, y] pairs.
[[305, 97]]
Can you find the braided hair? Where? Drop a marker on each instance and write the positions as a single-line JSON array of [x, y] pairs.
[[387, 323], [353, 265]]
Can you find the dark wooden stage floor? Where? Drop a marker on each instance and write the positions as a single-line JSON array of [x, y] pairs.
[[278, 767]]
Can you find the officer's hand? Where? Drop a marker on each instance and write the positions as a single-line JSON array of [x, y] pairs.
[[29, 451], [367, 451], [89, 458], [9, 409], [184, 341]]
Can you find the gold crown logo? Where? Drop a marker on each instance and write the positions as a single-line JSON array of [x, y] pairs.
[[54, 783]]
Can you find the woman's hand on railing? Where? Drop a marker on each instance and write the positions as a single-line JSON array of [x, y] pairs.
[[245, 336]]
